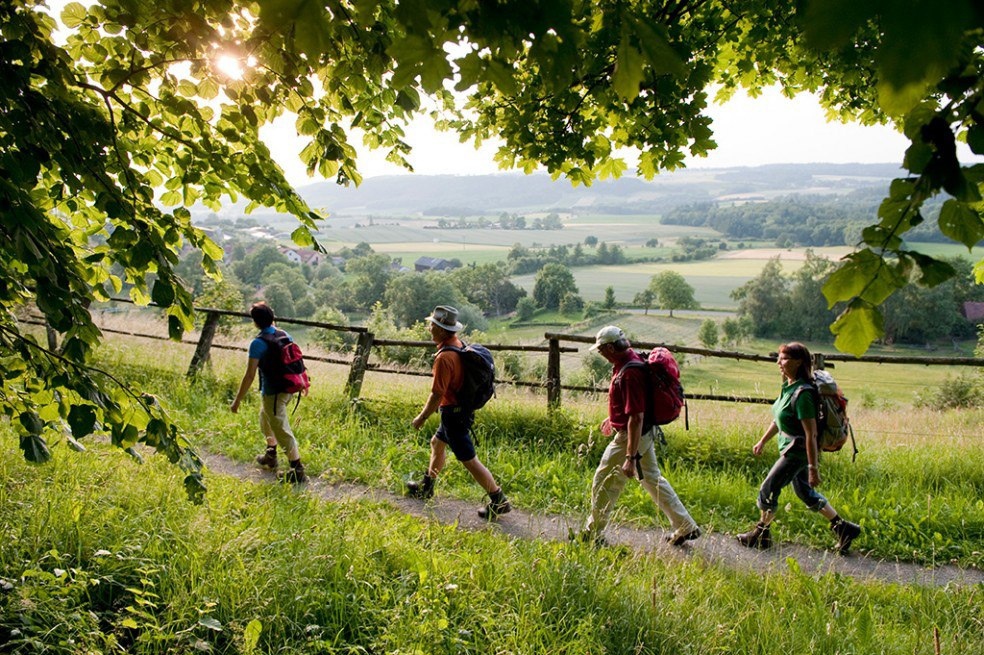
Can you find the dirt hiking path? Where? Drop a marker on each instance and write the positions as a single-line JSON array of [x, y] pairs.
[[714, 548]]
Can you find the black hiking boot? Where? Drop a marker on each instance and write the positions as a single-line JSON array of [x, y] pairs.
[[423, 489], [846, 533], [498, 505], [294, 475], [680, 539], [268, 460], [758, 537], [590, 537]]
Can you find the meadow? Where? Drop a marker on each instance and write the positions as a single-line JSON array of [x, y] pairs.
[[105, 555]]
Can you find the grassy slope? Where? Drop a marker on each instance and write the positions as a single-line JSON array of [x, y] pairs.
[[103, 555], [910, 458]]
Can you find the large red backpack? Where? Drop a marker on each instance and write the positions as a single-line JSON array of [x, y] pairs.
[[665, 399], [283, 364]]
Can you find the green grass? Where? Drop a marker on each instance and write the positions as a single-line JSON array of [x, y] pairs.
[[909, 456], [104, 555]]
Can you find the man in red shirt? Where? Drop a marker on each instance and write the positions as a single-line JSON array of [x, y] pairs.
[[456, 420], [631, 449]]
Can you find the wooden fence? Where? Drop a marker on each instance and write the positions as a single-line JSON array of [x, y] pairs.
[[359, 362]]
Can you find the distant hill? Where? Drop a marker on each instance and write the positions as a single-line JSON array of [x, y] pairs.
[[454, 195]]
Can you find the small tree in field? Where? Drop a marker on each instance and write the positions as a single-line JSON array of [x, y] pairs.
[[708, 333], [645, 299], [525, 308], [672, 291], [571, 304], [609, 303]]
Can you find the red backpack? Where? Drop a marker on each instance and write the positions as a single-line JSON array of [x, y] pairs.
[[665, 393], [283, 365]]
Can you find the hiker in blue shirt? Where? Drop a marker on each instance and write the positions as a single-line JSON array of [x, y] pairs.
[[795, 422], [274, 415]]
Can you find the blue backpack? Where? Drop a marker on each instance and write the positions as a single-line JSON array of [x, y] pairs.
[[479, 384]]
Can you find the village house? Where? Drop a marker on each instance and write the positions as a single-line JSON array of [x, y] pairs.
[[302, 256], [424, 264]]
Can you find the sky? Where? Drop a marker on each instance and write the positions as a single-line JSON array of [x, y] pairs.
[[770, 129]]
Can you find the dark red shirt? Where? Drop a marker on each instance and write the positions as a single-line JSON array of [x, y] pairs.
[[626, 394]]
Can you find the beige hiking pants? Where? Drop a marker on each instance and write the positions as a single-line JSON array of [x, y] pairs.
[[609, 481]]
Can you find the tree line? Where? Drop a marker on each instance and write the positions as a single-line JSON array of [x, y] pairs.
[[776, 305], [800, 220]]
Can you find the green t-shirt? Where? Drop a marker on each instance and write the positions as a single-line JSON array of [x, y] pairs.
[[788, 418]]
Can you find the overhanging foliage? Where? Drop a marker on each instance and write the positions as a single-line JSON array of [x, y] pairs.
[[112, 127]]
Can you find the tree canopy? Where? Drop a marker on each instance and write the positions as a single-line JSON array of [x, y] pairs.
[[672, 291], [113, 126]]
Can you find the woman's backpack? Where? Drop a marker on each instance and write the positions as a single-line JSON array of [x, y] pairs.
[[833, 425]]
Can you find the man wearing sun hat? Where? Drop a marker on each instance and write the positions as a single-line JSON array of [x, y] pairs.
[[631, 450], [456, 420]]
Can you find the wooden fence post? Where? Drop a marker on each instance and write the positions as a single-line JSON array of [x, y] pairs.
[[818, 363], [359, 363], [553, 375], [204, 344]]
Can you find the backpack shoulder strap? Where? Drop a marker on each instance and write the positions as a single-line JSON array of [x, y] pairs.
[[626, 366]]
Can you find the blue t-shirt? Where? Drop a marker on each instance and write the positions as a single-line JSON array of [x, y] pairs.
[[257, 348]]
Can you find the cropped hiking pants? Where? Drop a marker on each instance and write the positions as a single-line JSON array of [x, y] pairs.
[[791, 468], [609, 481], [275, 423]]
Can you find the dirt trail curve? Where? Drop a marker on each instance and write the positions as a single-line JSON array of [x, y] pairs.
[[715, 548]]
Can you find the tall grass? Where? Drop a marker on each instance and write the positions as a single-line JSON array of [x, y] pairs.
[[102, 555], [916, 487]]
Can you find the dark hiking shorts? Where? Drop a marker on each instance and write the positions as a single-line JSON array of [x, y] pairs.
[[455, 431]]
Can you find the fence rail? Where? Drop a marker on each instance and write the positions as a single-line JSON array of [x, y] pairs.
[[359, 362]]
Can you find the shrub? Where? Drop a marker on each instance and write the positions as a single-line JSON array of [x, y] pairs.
[[964, 391]]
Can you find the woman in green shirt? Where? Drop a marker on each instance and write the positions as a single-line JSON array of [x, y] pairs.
[[794, 420]]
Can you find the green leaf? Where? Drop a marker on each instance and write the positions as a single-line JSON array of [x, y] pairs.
[[655, 45], [960, 222], [502, 77], [251, 635], [831, 24], [302, 237], [162, 293], [35, 449], [975, 139], [932, 271], [864, 274], [195, 488], [628, 73], [210, 623], [175, 327], [857, 328], [81, 420], [74, 15], [31, 422]]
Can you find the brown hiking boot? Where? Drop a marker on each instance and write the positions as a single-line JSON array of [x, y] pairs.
[[846, 533], [268, 460], [758, 537]]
